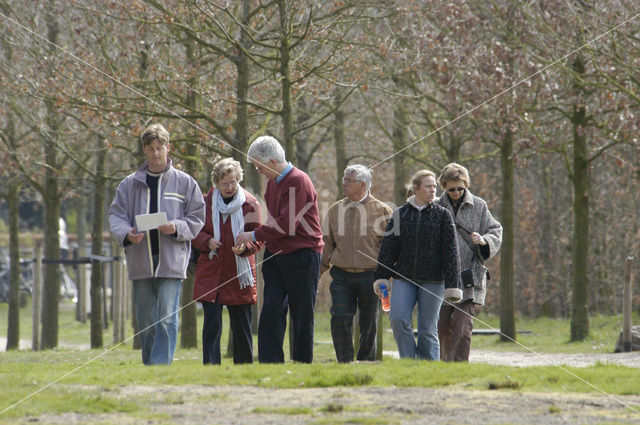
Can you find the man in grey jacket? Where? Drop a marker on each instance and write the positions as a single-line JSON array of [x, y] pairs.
[[479, 237], [157, 257]]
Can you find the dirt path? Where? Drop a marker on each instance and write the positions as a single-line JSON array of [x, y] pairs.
[[370, 405], [522, 358]]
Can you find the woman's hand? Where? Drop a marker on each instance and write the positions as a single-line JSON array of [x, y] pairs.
[[477, 239], [213, 244], [238, 249]]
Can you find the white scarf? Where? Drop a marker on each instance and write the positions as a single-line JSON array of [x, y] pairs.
[[412, 200], [234, 210]]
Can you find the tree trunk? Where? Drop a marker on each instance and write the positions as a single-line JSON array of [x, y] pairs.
[[13, 330], [253, 182], [81, 235], [340, 145], [188, 320], [51, 286], [553, 299], [507, 314], [51, 197], [13, 326], [580, 278], [304, 148], [400, 123], [285, 77], [580, 177], [143, 61], [96, 246]]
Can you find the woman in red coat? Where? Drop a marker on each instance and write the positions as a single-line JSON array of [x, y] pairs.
[[226, 273]]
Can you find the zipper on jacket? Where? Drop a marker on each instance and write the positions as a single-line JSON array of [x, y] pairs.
[[149, 234], [158, 203], [354, 236], [415, 250]]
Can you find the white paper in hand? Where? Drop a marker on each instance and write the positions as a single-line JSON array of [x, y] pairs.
[[146, 222]]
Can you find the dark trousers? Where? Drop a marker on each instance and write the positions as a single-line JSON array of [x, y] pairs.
[[240, 318], [290, 282], [454, 331], [351, 292]]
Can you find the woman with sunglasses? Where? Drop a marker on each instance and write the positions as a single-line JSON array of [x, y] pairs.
[[479, 237]]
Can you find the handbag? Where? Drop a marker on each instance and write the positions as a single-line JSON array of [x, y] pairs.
[[467, 278]]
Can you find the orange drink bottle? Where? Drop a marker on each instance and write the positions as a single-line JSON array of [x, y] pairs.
[[386, 305]]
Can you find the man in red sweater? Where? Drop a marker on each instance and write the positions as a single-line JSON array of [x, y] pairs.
[[293, 248]]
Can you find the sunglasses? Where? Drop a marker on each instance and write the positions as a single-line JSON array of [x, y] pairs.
[[455, 189]]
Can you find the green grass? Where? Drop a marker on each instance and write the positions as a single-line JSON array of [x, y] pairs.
[[552, 335], [87, 381], [92, 388], [24, 372], [547, 335]]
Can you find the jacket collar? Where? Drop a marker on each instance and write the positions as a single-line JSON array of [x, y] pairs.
[[412, 201], [467, 199], [364, 200], [141, 172]]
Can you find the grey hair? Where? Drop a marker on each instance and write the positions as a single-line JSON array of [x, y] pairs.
[[265, 148], [361, 173], [224, 167]]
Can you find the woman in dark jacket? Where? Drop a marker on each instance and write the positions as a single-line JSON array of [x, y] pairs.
[[225, 272], [420, 253]]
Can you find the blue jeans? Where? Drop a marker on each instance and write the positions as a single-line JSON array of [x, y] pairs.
[[404, 297], [157, 301]]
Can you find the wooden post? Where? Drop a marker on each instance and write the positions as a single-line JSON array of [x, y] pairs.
[[125, 296], [116, 299], [103, 288], [37, 286], [136, 344], [82, 293], [626, 307], [380, 335]]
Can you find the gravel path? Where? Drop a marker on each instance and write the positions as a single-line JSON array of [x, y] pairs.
[[364, 405], [527, 358], [512, 358]]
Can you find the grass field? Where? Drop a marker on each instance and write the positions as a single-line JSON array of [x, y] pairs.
[[542, 335], [83, 379]]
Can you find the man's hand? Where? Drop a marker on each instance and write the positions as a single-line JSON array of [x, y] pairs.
[[244, 237], [167, 229], [239, 249], [134, 237]]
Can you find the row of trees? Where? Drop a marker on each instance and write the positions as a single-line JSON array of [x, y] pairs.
[[538, 99]]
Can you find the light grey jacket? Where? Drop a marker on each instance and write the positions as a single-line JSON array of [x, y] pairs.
[[181, 198], [474, 216]]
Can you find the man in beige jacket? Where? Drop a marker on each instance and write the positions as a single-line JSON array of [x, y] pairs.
[[352, 233]]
